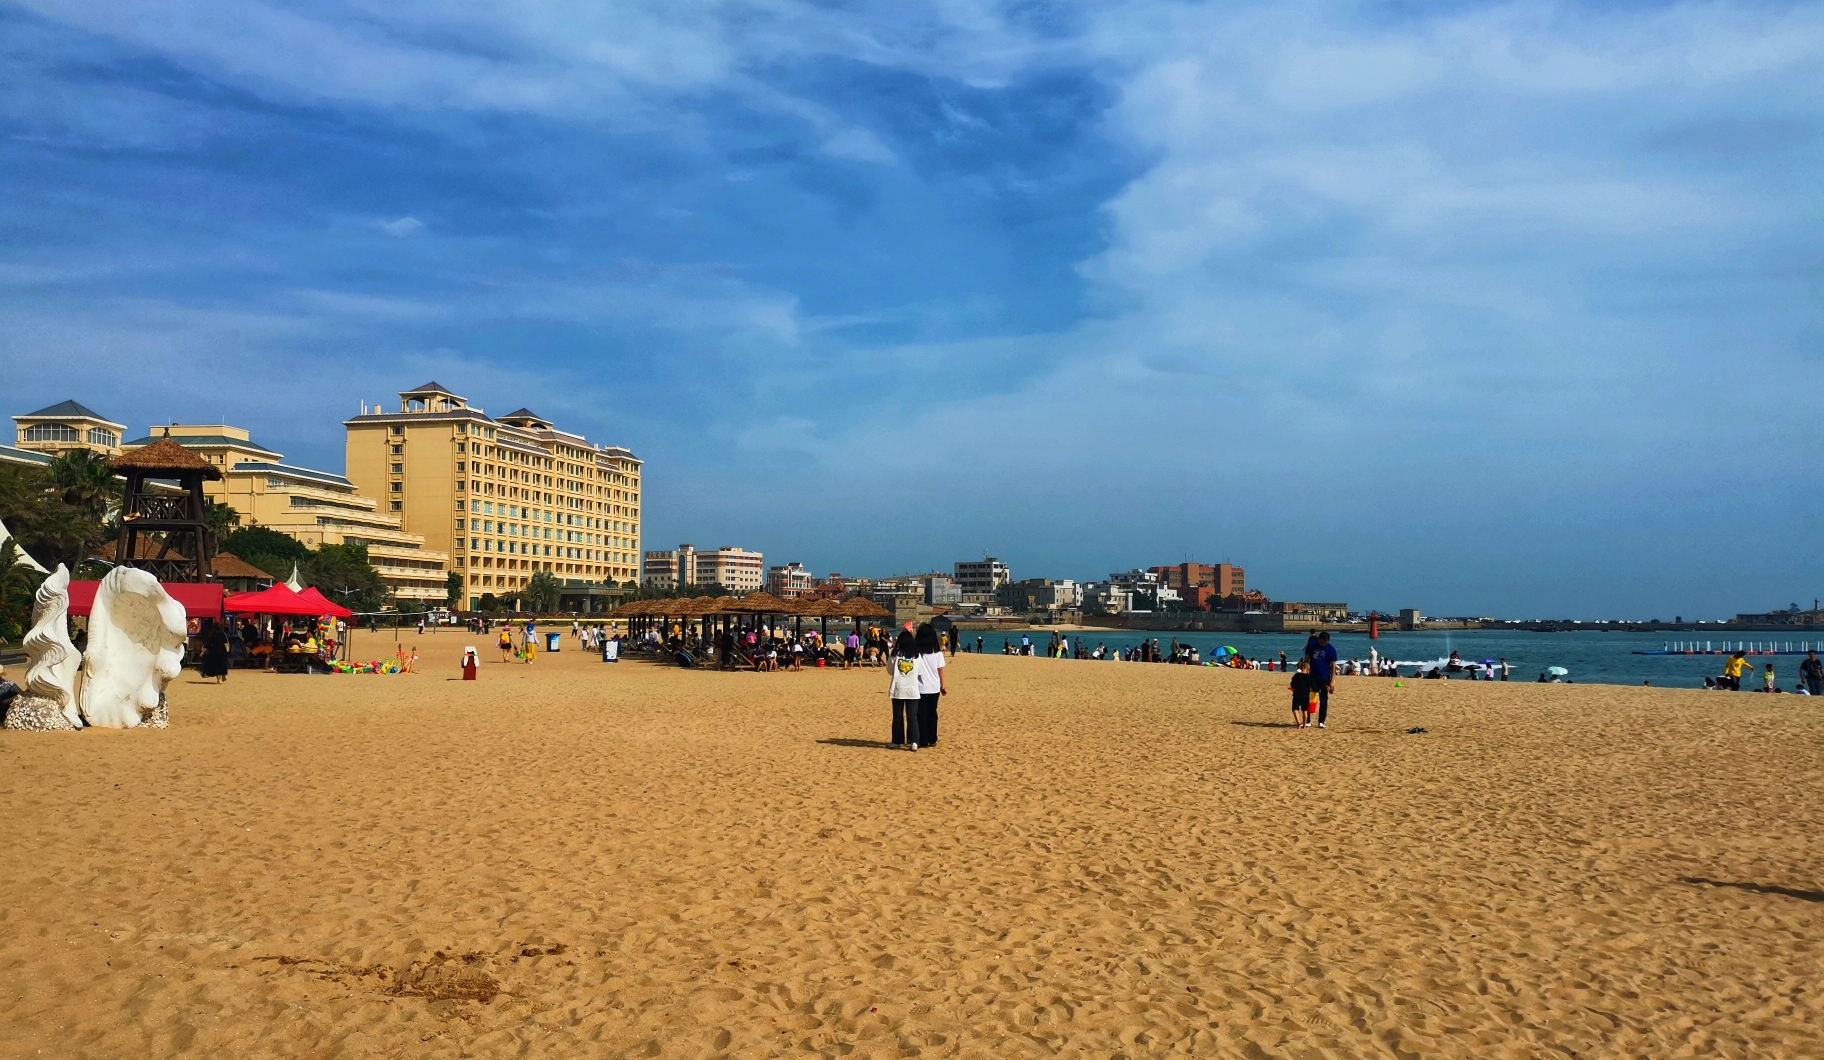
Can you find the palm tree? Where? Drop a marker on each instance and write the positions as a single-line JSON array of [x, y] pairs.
[[86, 481], [220, 521], [541, 592]]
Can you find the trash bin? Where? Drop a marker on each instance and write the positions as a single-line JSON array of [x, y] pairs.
[[553, 641]]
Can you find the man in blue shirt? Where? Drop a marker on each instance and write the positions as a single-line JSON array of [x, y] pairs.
[[1323, 674]]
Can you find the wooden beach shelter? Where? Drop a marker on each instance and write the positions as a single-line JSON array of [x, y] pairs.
[[176, 526], [822, 611]]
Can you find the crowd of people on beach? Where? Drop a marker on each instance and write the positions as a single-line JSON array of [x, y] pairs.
[[1810, 683], [763, 647]]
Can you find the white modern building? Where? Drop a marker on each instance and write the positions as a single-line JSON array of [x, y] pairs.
[[788, 582], [735, 569], [985, 576]]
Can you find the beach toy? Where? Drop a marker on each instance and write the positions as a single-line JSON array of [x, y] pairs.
[[1396, 684]]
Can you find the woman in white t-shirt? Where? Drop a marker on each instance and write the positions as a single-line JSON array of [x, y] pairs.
[[902, 689], [930, 680]]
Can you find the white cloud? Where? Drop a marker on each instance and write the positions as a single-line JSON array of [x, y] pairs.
[[858, 145], [402, 227]]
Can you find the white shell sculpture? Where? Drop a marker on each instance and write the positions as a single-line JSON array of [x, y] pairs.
[[48, 701], [136, 648]]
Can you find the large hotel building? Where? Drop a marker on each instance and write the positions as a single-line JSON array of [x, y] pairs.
[[504, 497]]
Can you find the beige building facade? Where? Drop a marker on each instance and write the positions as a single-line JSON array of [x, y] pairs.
[[315, 507], [64, 426], [505, 497]]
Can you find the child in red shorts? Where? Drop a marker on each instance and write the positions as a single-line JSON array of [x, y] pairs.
[[1304, 696]]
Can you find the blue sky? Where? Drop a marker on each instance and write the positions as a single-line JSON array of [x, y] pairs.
[[1498, 309]]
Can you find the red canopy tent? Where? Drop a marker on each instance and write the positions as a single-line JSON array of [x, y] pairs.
[[200, 599], [278, 600], [310, 595]]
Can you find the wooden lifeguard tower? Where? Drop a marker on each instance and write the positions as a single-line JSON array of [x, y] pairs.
[[163, 532]]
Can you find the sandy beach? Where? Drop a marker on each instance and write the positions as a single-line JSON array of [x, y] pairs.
[[1100, 859]]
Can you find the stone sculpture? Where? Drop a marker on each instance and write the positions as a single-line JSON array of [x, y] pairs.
[[136, 648], [48, 701]]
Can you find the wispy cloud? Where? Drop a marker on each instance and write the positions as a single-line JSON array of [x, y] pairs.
[[402, 226]]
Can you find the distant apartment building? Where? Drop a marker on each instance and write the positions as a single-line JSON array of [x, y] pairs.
[[1039, 594], [789, 582], [984, 577], [735, 569], [942, 592], [1146, 589], [1104, 598], [505, 497], [1330, 612], [315, 507], [1225, 579]]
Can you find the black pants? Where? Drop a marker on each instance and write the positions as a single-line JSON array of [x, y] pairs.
[[927, 718], [906, 728], [1323, 703]]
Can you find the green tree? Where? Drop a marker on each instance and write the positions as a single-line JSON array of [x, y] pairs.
[[266, 549], [52, 523], [84, 479], [541, 592], [342, 573], [452, 589], [489, 602], [220, 521], [17, 584]]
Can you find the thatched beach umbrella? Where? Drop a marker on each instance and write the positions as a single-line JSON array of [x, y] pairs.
[[860, 607]]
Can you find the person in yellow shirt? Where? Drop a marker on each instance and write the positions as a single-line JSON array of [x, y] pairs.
[[1732, 670]]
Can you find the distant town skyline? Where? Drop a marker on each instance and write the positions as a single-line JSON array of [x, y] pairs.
[[1507, 310]]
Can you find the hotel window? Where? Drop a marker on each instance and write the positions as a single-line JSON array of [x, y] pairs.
[[97, 436], [460, 468], [398, 469], [459, 486], [398, 431], [398, 487], [397, 506], [51, 432]]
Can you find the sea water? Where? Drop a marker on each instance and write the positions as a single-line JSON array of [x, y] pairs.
[[1601, 658]]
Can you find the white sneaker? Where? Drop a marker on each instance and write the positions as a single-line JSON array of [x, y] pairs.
[[914, 747], [1320, 724]]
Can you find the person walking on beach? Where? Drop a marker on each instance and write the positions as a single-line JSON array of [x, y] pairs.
[[215, 653], [1323, 674], [902, 689], [1505, 669], [1811, 671], [1304, 696], [1732, 670], [930, 681], [506, 645]]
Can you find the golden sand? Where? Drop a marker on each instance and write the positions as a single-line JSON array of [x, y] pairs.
[[1100, 859]]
